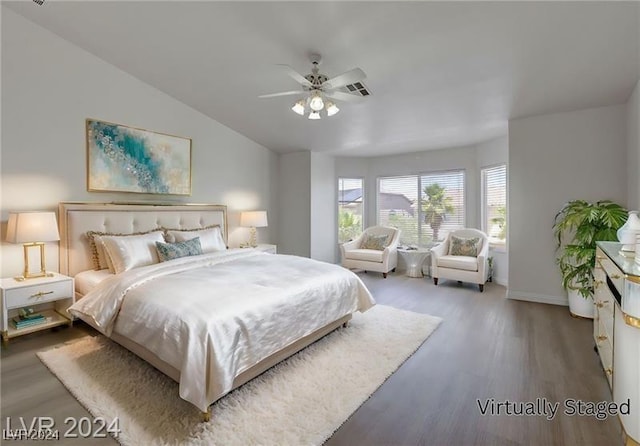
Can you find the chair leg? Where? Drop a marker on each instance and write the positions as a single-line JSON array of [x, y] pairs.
[[393, 270], [481, 286], [384, 275], [435, 280]]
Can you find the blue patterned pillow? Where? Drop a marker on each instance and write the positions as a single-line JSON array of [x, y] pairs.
[[170, 251]]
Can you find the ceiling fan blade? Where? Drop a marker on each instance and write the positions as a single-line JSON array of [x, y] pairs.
[[299, 78], [340, 96], [284, 93], [343, 79]]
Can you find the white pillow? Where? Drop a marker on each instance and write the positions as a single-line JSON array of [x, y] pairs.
[[210, 239], [131, 251]]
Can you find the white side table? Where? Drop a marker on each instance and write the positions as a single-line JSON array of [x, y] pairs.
[[56, 291], [414, 258], [269, 249]]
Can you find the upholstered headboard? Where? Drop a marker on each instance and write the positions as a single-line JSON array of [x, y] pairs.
[[78, 218]]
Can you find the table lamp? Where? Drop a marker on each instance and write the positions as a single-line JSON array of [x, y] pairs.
[[253, 220], [32, 229]]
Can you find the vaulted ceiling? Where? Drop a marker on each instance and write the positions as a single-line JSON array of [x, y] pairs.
[[441, 74]]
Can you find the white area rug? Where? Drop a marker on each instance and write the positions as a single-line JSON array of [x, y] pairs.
[[301, 401]]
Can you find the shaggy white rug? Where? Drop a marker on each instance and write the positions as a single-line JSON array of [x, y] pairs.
[[301, 401]]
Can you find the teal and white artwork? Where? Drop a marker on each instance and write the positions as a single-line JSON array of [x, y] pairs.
[[127, 159]]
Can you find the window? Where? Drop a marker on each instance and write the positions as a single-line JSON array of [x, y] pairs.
[[424, 207], [350, 209], [494, 203]]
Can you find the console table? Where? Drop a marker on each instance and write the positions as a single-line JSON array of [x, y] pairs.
[[616, 329]]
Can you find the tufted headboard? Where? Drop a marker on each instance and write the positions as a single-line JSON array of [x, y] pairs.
[[78, 218]]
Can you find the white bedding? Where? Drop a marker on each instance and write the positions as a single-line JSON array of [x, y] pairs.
[[88, 280], [215, 315]]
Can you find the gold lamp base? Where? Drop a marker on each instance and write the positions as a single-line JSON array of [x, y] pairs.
[[27, 273], [252, 243]]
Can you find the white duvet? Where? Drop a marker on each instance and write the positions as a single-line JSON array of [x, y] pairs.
[[214, 316]]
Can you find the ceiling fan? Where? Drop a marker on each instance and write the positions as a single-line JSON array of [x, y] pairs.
[[318, 87]]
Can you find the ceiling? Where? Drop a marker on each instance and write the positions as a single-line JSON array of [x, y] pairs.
[[441, 74]]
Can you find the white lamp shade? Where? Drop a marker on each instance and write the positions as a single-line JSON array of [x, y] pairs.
[[314, 115], [332, 109], [28, 227], [253, 219], [298, 107]]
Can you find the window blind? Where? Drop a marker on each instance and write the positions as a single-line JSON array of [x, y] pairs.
[[494, 202], [422, 206]]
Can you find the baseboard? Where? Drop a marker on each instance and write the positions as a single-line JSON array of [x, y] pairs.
[[540, 298], [501, 281]]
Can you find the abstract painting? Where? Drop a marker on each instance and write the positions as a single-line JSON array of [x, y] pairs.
[[127, 159]]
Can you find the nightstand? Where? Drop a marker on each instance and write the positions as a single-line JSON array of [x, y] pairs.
[[270, 249], [49, 296]]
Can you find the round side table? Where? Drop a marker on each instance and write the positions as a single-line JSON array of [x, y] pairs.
[[414, 258]]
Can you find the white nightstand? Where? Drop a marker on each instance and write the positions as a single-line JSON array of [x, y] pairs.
[[50, 296], [271, 249]]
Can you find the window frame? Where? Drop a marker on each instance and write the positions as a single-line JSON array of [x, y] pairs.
[[494, 243], [419, 192], [363, 216]]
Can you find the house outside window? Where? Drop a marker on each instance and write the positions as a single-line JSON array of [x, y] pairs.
[[494, 203], [424, 207], [350, 208]]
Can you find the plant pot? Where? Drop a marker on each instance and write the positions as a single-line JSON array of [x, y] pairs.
[[579, 306]]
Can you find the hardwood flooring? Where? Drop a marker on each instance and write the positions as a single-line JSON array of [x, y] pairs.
[[486, 347]]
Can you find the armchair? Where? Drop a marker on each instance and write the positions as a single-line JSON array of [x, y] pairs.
[[382, 261], [462, 268]]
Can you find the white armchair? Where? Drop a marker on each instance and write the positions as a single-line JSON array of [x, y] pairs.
[[460, 267], [382, 261]]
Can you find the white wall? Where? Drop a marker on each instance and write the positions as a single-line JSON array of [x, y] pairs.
[[324, 237], [633, 149], [555, 158], [294, 192], [49, 88]]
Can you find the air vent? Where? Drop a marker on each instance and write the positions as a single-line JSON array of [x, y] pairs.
[[358, 88]]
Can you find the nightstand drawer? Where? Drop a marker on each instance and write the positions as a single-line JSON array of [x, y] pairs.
[[37, 294]]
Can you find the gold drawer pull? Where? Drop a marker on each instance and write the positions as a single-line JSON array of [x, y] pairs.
[[597, 283], [601, 304], [39, 294], [615, 276], [601, 338], [609, 371]]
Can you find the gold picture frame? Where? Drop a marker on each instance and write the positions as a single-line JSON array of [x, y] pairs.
[[130, 159]]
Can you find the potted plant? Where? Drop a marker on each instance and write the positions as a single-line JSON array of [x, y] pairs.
[[577, 227]]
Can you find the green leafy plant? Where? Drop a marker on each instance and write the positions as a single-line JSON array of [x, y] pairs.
[[501, 221], [577, 227], [435, 207], [349, 225]]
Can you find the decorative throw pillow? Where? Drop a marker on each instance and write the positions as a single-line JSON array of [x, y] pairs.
[[98, 255], [460, 246], [170, 251], [132, 251], [377, 242], [210, 238]]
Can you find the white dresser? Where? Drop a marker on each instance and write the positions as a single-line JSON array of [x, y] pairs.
[[616, 330]]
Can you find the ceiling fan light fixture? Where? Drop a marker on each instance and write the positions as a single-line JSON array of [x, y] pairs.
[[314, 115], [316, 103], [332, 109], [298, 107]]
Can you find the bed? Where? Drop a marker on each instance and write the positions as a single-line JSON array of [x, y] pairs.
[[212, 321]]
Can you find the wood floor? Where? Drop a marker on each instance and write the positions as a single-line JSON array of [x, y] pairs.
[[486, 347]]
